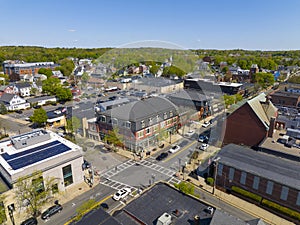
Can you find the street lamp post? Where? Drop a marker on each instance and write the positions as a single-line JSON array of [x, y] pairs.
[[215, 173], [11, 209]]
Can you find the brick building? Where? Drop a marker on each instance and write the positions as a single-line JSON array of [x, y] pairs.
[[251, 123], [285, 98], [140, 123], [273, 178]]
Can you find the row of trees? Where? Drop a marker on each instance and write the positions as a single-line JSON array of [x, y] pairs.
[[52, 86]]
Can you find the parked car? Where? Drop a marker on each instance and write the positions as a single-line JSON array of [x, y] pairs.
[[209, 210], [190, 133], [174, 149], [51, 211], [204, 146], [19, 111], [122, 193], [30, 221], [206, 124], [203, 138], [162, 156]]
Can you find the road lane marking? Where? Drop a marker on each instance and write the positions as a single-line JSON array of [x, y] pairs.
[[183, 149]]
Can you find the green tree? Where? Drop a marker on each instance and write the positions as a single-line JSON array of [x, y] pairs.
[[85, 77], [114, 138], [2, 209], [185, 188], [154, 69], [34, 191], [264, 79], [172, 70], [39, 116], [229, 100], [33, 91], [73, 124], [238, 97], [6, 79], [3, 109], [47, 72], [66, 67], [50, 85], [63, 94]]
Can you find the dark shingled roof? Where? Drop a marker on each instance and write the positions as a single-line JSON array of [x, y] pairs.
[[160, 199], [6, 97], [274, 168]]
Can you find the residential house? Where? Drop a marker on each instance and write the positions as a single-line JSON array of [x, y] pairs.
[[23, 89], [42, 100], [251, 123], [14, 102]]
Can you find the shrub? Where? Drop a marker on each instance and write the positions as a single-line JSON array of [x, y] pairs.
[[185, 187], [287, 211], [247, 194], [210, 181]]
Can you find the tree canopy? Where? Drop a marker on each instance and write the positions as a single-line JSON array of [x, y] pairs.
[[39, 116], [47, 72], [264, 79], [73, 124], [34, 192]]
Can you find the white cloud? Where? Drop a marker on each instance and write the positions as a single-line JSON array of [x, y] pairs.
[[71, 30]]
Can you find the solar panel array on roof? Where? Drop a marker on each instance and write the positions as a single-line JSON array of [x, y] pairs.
[[34, 155]]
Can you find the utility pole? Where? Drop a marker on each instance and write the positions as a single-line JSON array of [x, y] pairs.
[[215, 173]]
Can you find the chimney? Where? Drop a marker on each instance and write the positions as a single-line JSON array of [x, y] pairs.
[[271, 126]]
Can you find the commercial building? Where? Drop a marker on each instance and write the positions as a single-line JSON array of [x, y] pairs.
[[140, 123], [251, 123], [286, 99], [44, 151], [15, 69], [271, 177]]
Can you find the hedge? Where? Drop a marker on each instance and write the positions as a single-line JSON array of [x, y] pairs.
[[287, 211], [210, 181], [247, 194]]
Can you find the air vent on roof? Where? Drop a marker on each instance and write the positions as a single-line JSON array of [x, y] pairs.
[[2, 150]]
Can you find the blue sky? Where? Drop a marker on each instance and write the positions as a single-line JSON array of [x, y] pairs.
[[198, 24]]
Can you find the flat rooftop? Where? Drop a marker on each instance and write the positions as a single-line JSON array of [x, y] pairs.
[[274, 168], [40, 146], [163, 199], [273, 144]]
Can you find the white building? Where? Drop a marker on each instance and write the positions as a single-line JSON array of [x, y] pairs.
[[45, 151], [13, 102]]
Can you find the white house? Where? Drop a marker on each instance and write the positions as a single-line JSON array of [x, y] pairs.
[[23, 89], [14, 102]]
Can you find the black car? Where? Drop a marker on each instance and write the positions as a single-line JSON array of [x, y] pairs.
[[19, 111], [51, 211], [30, 221], [162, 156]]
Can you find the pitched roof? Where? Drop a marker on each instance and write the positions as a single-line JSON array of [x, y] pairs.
[[138, 110], [263, 108], [22, 85], [6, 97], [272, 167]]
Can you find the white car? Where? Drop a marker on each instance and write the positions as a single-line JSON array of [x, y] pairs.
[[209, 210], [190, 133], [122, 193], [206, 124], [174, 149], [204, 146]]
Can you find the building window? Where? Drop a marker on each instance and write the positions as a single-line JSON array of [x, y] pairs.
[[54, 188], [148, 130], [255, 183], [142, 123], [114, 121], [67, 174], [128, 124], [103, 119], [157, 118], [165, 116], [150, 121], [298, 199], [243, 177], [220, 169], [140, 134], [231, 173], [269, 189], [284, 193], [171, 114]]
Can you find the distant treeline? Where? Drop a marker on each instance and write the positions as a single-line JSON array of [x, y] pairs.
[[41, 54]]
